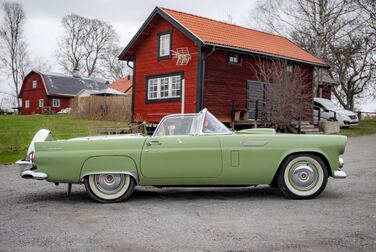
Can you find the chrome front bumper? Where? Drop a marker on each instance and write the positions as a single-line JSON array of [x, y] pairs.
[[339, 174], [26, 172]]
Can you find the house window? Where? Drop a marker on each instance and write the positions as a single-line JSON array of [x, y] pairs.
[[56, 103], [34, 84], [289, 68], [234, 59], [165, 87], [164, 45], [27, 104], [41, 103]]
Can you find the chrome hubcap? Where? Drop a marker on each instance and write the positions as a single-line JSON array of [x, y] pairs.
[[303, 176], [108, 183]]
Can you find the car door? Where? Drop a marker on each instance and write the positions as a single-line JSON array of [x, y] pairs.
[[248, 158], [181, 157]]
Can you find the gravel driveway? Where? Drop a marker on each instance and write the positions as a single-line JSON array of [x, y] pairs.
[[37, 215]]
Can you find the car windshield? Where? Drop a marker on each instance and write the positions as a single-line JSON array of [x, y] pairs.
[[179, 125], [191, 124]]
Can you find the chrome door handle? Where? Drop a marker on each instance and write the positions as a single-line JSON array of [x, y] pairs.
[[149, 143]]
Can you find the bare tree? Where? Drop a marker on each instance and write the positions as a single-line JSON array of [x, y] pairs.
[[14, 56], [229, 19], [332, 30], [71, 47], [369, 6], [113, 68], [100, 37], [84, 44], [287, 93]]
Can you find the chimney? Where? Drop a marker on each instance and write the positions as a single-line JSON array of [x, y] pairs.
[[76, 73], [129, 77]]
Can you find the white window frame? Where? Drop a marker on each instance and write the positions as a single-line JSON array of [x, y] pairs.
[[41, 103], [164, 44], [160, 93], [232, 57], [34, 84], [56, 103], [27, 103]]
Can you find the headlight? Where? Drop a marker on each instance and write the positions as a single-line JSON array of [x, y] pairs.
[[346, 117]]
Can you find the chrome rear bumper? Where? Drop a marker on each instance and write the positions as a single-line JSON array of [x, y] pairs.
[[26, 167]]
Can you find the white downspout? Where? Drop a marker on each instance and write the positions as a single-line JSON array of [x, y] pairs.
[[182, 95]]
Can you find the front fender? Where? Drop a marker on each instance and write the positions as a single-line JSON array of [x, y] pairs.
[[109, 164]]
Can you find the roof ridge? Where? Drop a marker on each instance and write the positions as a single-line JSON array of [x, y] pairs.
[[212, 19], [70, 76]]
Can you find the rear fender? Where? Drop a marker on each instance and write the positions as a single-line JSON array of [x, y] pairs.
[[109, 164]]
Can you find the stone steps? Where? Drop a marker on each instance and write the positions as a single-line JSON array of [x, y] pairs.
[[307, 128]]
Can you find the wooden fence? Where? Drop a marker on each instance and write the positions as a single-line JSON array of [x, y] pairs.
[[106, 108]]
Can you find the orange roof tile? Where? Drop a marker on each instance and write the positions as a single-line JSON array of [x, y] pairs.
[[223, 34], [123, 85]]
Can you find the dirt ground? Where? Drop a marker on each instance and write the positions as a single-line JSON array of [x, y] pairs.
[[37, 215]]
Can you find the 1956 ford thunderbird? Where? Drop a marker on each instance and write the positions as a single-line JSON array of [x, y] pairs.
[[187, 150]]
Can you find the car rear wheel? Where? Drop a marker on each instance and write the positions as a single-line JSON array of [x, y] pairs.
[[109, 188], [302, 176]]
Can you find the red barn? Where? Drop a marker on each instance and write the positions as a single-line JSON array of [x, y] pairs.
[[219, 67], [51, 92]]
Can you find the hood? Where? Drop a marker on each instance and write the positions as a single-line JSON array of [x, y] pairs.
[[345, 112], [105, 137]]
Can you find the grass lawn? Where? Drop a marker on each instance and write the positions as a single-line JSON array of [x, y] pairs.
[[365, 127], [16, 132]]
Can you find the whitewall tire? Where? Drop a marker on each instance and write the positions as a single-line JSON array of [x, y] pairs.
[[109, 188], [302, 176]]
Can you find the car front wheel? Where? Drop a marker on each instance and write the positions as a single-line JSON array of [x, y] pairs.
[[109, 188], [302, 176]]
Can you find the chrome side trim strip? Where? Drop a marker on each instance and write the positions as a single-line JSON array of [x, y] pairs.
[[260, 143]]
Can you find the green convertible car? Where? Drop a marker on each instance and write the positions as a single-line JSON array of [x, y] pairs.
[[187, 150]]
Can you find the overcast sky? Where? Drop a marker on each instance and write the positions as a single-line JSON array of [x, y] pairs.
[[43, 19]]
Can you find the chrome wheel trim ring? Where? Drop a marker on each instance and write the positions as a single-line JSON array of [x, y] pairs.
[[109, 186], [304, 176]]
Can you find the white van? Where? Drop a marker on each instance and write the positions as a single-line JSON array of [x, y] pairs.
[[330, 111]]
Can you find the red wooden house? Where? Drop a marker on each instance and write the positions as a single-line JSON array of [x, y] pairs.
[[218, 71], [51, 92]]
